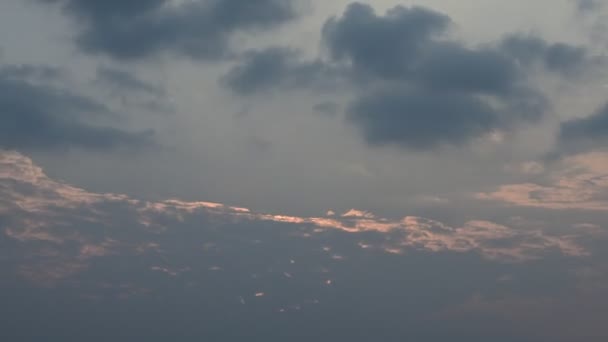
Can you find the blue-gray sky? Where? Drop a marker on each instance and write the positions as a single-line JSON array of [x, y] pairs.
[[303, 170]]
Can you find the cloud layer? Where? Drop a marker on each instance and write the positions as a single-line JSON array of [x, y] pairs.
[[37, 208], [219, 265]]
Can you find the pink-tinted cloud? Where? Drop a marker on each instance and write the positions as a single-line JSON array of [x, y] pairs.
[[580, 183], [42, 210]]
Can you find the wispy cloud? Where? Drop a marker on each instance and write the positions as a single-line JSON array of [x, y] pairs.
[[579, 182]]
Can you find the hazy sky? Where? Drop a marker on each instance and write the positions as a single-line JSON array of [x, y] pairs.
[[303, 170]]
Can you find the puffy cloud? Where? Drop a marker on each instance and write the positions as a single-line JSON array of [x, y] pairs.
[[410, 44], [383, 46], [432, 91], [197, 29], [421, 119], [413, 86]]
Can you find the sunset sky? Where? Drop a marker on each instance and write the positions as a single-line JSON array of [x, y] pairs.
[[304, 170]]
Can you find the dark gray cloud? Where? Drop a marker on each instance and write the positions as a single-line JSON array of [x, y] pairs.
[[452, 67], [588, 133], [385, 45], [404, 45], [433, 91], [198, 29], [36, 115], [421, 119], [413, 86], [274, 67]]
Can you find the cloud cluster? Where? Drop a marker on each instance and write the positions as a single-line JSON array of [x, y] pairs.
[[414, 86]]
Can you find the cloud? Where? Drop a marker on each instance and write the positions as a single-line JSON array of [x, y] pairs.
[[413, 86], [452, 67], [382, 46], [584, 134], [133, 92], [115, 252], [129, 30], [272, 68], [493, 241], [37, 115], [579, 182], [557, 57], [421, 119], [422, 91]]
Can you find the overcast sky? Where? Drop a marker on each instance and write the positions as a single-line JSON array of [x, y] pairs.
[[431, 170]]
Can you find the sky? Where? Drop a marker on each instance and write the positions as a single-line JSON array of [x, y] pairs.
[[303, 170]]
